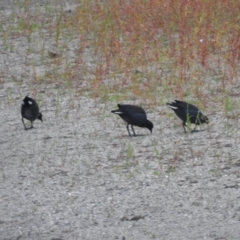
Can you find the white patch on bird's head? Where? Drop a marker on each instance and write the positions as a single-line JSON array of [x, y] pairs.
[[29, 102]]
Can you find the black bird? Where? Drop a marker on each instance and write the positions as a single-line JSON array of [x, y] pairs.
[[134, 116], [188, 113], [30, 111]]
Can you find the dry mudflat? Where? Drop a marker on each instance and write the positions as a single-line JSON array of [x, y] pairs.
[[78, 175]]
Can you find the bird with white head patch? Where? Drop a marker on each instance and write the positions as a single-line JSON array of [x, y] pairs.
[[30, 111]]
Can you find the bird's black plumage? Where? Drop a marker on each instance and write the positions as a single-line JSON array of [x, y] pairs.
[[134, 116], [188, 113], [30, 111]]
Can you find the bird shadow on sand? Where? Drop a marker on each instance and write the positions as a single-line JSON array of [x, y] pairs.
[[135, 136], [197, 131]]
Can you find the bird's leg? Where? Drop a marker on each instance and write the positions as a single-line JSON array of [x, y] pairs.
[[24, 124], [195, 125], [128, 130], [184, 127], [133, 131], [188, 126], [31, 125]]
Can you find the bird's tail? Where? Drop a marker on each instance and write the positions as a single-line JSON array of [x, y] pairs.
[[117, 111]]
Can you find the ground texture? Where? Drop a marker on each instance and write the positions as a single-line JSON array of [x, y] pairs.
[[78, 175]]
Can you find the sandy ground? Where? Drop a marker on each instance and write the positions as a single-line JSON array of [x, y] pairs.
[[78, 175]]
